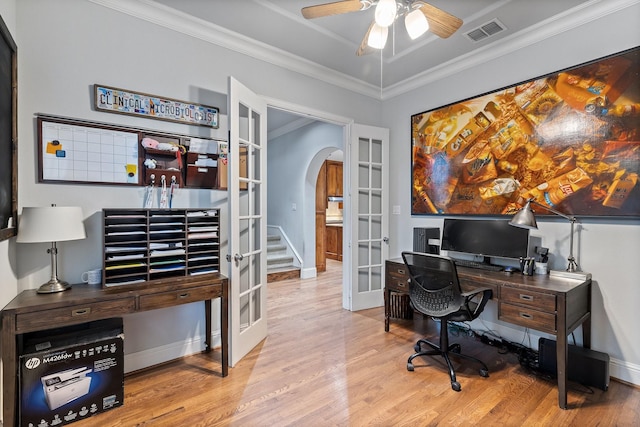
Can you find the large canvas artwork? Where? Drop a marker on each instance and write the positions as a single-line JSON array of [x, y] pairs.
[[570, 140]]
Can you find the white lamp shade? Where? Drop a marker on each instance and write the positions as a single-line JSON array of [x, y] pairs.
[[416, 24], [377, 36], [50, 224], [385, 12]]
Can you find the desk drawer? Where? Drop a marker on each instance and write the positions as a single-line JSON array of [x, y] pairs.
[[398, 270], [181, 296], [397, 277], [524, 297], [527, 317], [396, 284], [72, 315]]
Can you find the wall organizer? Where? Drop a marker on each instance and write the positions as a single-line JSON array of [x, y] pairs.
[[570, 140], [85, 152]]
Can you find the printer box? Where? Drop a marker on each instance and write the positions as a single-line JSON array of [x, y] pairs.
[[72, 375]]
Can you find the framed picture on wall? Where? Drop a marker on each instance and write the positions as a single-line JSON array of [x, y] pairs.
[[8, 134], [570, 140]]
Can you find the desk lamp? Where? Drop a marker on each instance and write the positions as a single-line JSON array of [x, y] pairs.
[[525, 219], [51, 224]]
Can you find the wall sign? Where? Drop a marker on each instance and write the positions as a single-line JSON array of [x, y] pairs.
[[122, 101], [570, 140]]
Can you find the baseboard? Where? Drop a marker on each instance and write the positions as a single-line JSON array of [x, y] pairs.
[[308, 273], [625, 371], [153, 356]]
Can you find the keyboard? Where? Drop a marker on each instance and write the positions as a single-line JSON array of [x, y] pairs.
[[479, 265]]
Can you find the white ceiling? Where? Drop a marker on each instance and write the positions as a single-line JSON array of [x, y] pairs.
[[326, 46]]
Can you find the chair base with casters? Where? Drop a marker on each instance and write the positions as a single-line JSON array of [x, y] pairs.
[[434, 290], [449, 350]]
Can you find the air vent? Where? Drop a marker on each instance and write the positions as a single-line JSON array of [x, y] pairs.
[[486, 30]]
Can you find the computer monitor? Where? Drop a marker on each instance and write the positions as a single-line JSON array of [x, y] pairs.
[[486, 237]]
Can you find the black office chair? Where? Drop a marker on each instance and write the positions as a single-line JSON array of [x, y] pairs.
[[434, 291]]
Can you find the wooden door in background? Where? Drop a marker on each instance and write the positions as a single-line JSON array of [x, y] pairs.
[[334, 178], [321, 219]]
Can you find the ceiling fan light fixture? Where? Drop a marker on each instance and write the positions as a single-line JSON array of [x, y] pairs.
[[385, 12], [416, 24], [378, 36]]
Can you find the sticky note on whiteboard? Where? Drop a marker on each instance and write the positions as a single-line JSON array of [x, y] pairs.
[[131, 169], [53, 146]]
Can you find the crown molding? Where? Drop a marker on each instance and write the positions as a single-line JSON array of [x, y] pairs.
[[573, 18], [158, 14], [167, 17]]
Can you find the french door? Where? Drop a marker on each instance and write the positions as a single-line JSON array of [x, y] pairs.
[[247, 190], [367, 243]]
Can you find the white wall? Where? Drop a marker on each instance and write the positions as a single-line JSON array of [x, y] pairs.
[[609, 249], [292, 157]]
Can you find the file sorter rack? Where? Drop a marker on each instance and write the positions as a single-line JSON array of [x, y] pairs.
[[143, 245]]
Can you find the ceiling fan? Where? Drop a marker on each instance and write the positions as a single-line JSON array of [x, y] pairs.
[[419, 17]]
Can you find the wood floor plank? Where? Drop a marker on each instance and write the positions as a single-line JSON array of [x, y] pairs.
[[322, 365]]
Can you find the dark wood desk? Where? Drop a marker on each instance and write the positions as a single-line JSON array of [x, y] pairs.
[[553, 305], [30, 312]]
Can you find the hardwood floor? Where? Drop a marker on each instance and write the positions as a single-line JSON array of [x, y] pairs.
[[325, 366]]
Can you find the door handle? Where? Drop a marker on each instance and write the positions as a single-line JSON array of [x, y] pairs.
[[386, 240], [238, 257]]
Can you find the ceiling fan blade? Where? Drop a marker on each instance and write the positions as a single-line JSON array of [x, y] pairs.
[[364, 48], [441, 23], [334, 8]]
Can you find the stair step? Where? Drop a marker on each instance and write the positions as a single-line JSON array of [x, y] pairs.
[[283, 274], [287, 260]]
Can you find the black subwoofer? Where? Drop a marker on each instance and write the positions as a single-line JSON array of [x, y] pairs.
[[586, 366]]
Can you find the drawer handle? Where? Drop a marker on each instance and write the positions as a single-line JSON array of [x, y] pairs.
[[526, 297], [183, 295], [526, 316], [81, 311], [400, 271]]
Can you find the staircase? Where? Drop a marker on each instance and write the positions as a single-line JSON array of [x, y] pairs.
[[279, 262]]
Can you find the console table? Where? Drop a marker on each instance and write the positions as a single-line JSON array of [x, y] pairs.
[[30, 312], [553, 305]]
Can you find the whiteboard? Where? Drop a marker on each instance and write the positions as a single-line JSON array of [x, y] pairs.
[[71, 152]]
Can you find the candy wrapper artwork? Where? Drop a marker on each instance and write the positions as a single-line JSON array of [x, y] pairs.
[[570, 140]]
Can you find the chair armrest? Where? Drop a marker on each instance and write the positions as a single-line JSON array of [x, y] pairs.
[[487, 293]]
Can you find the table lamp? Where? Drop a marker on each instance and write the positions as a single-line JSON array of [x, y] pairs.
[[51, 224], [525, 218]]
